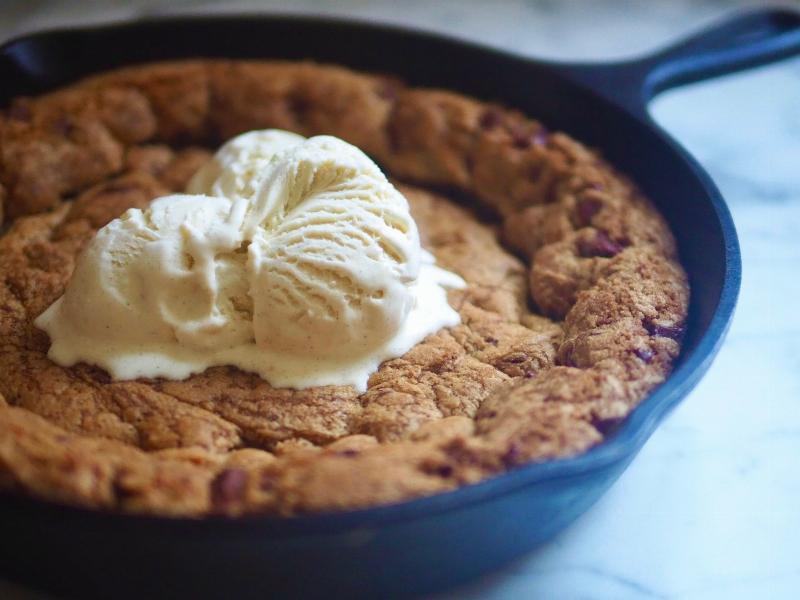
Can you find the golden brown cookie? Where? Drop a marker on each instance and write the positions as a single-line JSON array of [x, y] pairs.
[[574, 308]]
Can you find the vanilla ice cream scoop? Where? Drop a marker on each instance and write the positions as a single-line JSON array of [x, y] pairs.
[[155, 291], [237, 168], [335, 253], [294, 258]]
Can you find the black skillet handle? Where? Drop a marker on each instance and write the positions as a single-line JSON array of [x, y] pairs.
[[745, 40]]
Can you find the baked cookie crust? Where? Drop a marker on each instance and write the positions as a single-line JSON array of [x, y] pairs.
[[574, 309]]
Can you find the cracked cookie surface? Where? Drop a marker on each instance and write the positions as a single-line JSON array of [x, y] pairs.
[[573, 312]]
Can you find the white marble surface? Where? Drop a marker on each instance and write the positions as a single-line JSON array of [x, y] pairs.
[[711, 507]]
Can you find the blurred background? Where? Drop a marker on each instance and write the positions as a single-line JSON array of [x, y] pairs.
[[710, 507], [549, 28]]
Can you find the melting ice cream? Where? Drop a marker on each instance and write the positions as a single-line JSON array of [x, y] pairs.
[[294, 258]]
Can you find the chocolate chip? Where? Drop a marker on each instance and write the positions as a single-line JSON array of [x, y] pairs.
[[565, 357], [440, 470], [529, 374], [541, 137], [96, 373], [228, 486], [645, 354], [515, 358], [20, 111], [588, 208], [444, 471], [298, 106], [606, 426], [64, 126], [121, 491], [511, 456], [521, 136], [674, 332], [491, 118], [534, 172], [491, 340], [388, 89], [599, 245], [440, 367], [348, 453]]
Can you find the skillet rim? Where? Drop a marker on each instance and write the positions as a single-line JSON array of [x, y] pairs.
[[621, 446]]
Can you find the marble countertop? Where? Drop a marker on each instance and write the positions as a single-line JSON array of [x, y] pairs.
[[711, 507]]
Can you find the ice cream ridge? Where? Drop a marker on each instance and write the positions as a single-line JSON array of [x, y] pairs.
[[289, 257]]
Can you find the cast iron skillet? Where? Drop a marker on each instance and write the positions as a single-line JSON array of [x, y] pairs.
[[432, 543]]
